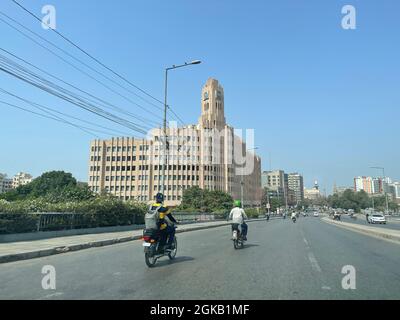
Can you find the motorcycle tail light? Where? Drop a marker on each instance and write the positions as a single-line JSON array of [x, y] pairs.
[[152, 240], [146, 238]]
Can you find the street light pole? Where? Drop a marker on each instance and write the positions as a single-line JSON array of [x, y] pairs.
[[164, 162]]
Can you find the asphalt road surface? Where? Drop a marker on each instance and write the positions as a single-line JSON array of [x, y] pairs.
[[281, 260], [391, 223]]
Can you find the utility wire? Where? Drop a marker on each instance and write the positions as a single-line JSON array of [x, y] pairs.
[[89, 55], [52, 118], [41, 107], [45, 82], [84, 72], [102, 102], [74, 100]]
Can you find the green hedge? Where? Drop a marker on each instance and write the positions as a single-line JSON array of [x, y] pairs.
[[252, 212], [97, 212]]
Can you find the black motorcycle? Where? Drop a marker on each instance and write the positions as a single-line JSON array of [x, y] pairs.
[[153, 250], [294, 219]]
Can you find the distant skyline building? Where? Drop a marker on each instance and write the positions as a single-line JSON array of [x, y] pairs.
[[5, 183], [340, 189], [373, 186], [21, 179], [276, 182], [296, 184], [313, 193]]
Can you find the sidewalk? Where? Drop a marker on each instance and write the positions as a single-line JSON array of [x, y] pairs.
[[15, 251], [385, 234]]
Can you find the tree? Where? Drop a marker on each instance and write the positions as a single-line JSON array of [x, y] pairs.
[[198, 199], [54, 186], [359, 200]]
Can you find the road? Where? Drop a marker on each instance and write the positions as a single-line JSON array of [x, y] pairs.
[[281, 260], [391, 223]]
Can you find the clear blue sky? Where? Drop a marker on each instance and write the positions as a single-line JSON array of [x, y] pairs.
[[323, 101]]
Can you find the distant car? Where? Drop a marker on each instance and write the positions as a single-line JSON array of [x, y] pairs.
[[377, 218], [305, 214], [316, 214]]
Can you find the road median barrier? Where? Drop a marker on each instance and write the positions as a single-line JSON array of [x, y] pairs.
[[385, 234]]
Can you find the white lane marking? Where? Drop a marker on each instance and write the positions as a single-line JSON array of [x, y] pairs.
[[305, 241], [57, 294], [326, 288], [314, 262]]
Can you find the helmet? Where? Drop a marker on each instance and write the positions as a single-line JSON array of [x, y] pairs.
[[159, 197], [238, 203]]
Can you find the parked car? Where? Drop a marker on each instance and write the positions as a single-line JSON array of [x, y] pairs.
[[377, 218], [316, 214]]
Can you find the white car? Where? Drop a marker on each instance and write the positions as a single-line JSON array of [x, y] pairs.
[[316, 214], [377, 218]]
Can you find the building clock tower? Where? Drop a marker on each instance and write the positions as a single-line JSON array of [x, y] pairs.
[[212, 106]]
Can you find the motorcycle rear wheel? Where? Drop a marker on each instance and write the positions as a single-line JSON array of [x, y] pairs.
[[150, 259], [172, 254]]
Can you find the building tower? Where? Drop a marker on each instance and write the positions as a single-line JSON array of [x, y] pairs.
[[212, 106]]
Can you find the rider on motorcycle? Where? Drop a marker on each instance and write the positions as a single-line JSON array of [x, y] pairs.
[[294, 215], [165, 222], [238, 216]]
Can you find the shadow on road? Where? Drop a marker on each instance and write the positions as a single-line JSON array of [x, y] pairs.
[[249, 245], [178, 259]]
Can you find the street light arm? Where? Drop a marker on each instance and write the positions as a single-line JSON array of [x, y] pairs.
[[184, 65]]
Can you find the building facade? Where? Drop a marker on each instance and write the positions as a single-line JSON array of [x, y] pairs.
[[372, 185], [5, 183], [314, 193], [208, 155], [296, 184], [21, 179]]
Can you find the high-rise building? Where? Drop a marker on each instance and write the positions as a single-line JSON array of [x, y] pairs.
[[276, 182], [296, 184], [208, 155], [372, 185], [21, 179], [364, 183]]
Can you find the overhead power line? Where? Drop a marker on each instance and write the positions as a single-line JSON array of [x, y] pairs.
[[43, 108], [101, 102], [66, 95], [82, 71], [52, 118], [89, 55]]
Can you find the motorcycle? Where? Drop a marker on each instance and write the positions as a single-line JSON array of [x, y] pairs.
[[294, 219], [153, 250], [238, 241], [336, 216]]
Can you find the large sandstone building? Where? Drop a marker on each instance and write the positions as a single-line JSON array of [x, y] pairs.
[[208, 155]]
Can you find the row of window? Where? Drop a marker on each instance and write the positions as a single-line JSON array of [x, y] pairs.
[[127, 168], [126, 158], [121, 148], [142, 188], [156, 177], [146, 198]]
